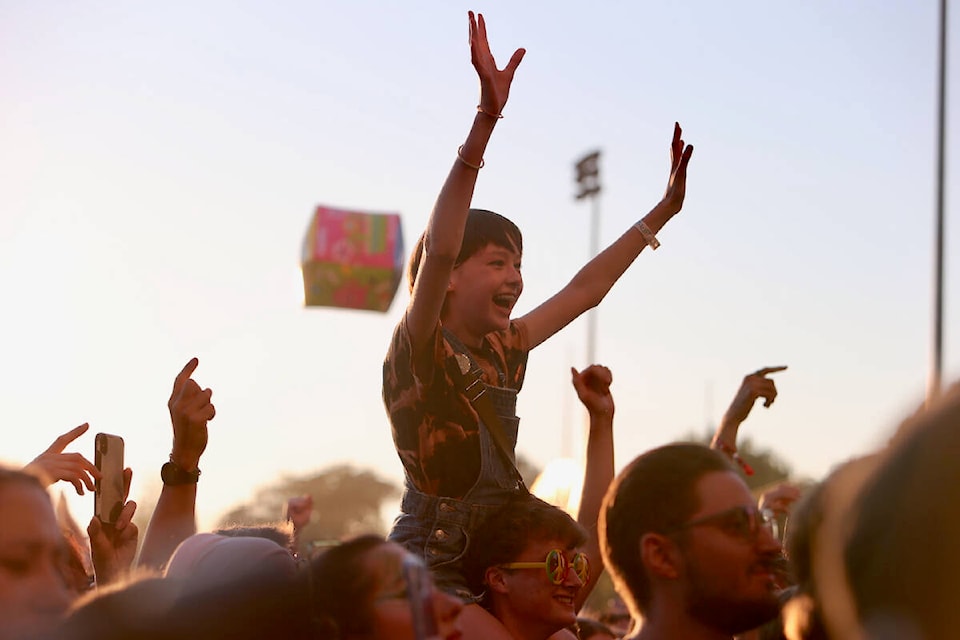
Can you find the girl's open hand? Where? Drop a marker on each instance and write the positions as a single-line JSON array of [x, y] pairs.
[[494, 83]]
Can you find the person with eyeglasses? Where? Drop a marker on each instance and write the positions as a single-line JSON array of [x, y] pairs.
[[530, 563], [688, 549], [527, 566], [372, 589]]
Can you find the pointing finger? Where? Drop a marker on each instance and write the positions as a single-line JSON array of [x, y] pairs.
[[61, 443], [768, 370], [185, 374]]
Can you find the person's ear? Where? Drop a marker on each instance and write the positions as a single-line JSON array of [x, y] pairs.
[[496, 580], [452, 282], [660, 555]]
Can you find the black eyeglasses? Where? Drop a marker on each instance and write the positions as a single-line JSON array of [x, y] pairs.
[[743, 522]]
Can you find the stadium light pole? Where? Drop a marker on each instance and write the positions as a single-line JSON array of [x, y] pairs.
[[588, 181], [936, 368]]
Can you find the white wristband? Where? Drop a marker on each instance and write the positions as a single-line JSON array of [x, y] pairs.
[[648, 236]]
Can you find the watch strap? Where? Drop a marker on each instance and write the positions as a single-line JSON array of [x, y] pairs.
[[173, 474]]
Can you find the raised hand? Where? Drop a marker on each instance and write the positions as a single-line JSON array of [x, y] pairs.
[[114, 547], [298, 510], [780, 498], [190, 410], [174, 518], [755, 385], [53, 464], [593, 388], [679, 159], [494, 83]]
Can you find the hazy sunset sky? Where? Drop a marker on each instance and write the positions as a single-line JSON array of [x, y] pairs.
[[160, 161]]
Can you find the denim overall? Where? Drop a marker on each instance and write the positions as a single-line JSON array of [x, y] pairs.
[[437, 528]]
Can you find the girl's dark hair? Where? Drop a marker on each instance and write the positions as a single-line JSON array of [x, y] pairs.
[[341, 588], [482, 228]]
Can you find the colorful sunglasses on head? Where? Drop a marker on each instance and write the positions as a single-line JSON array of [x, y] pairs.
[[557, 566]]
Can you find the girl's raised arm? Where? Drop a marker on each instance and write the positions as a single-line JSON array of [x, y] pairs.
[[595, 279], [444, 234]]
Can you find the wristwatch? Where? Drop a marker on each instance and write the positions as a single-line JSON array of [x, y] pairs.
[[174, 475]]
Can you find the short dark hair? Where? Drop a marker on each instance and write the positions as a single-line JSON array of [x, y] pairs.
[[654, 493], [279, 532], [482, 228], [505, 533]]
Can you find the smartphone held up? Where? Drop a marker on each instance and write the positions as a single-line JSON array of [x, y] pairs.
[[108, 489]]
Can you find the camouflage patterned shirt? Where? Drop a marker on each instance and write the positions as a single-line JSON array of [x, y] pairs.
[[435, 428]]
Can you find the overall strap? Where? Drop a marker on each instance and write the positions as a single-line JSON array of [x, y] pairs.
[[472, 385]]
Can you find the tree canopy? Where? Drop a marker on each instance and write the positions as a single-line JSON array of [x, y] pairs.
[[346, 502], [768, 467]]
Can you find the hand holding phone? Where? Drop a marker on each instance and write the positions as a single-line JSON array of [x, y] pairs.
[[108, 489]]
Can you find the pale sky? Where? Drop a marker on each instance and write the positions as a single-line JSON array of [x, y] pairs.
[[160, 162]]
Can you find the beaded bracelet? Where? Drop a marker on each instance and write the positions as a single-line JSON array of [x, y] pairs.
[[732, 452]]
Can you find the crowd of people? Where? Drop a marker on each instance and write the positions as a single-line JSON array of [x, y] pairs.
[[691, 551]]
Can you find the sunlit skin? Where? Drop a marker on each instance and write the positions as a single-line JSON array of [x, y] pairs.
[[711, 582], [391, 615], [743, 570], [528, 604], [33, 592], [483, 291]]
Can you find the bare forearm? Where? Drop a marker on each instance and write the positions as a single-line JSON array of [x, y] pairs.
[[598, 474], [444, 234], [726, 433], [598, 276], [449, 216], [172, 522]]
